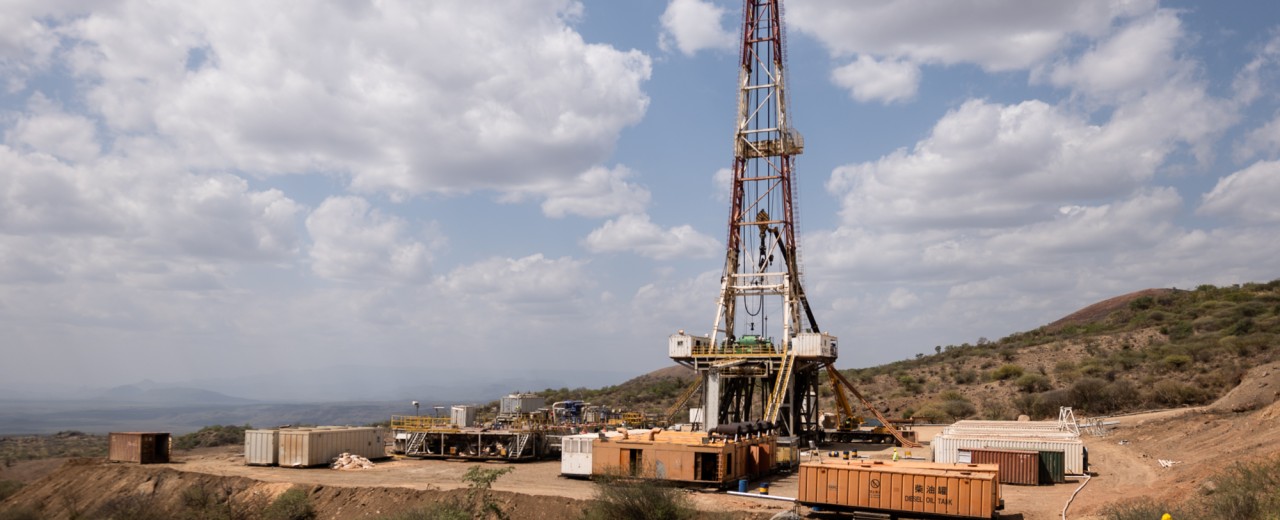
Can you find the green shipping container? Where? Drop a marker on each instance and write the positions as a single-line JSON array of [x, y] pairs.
[[1053, 466]]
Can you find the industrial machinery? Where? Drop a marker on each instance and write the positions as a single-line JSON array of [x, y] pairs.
[[764, 354]]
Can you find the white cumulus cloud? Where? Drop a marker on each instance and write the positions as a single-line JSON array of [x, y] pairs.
[[1248, 195], [636, 233], [511, 97], [695, 25], [352, 240], [869, 79]]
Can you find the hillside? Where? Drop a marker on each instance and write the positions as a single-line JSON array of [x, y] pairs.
[[1155, 348]]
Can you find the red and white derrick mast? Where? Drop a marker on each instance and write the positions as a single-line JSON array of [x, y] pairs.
[[761, 360]]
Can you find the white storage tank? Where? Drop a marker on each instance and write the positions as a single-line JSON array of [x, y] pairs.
[[522, 403], [306, 447], [262, 447], [463, 416]]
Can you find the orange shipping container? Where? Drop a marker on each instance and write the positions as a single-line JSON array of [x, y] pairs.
[[968, 491], [139, 447], [1016, 466]]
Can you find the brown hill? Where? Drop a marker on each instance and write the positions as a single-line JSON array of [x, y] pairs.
[[1098, 311]]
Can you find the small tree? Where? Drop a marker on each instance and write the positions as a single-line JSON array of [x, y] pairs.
[[293, 504], [479, 481]]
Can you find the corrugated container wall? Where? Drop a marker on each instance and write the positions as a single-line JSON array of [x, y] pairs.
[[262, 447], [946, 449], [305, 447], [1053, 467], [915, 488], [463, 416], [139, 447], [522, 403], [1016, 466]]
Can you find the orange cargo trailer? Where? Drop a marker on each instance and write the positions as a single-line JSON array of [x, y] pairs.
[[688, 457], [921, 489]]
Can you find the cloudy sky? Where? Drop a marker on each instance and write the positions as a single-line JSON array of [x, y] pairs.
[[203, 189]]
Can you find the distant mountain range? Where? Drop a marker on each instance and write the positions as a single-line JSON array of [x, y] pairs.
[[149, 392]]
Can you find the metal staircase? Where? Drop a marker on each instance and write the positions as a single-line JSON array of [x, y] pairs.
[[522, 439], [780, 387], [682, 399], [415, 444]]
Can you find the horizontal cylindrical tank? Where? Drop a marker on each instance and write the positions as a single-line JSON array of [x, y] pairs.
[[879, 486], [305, 447], [262, 447], [139, 447], [1016, 466]]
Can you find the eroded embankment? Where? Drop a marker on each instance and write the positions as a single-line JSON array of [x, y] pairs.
[[84, 488]]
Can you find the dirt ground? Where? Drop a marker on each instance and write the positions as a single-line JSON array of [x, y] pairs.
[[1124, 465]]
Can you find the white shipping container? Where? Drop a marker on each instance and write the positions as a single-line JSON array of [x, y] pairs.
[[695, 415], [522, 403], [814, 344], [262, 447], [683, 345], [946, 448], [1015, 425], [305, 447], [463, 416], [575, 452]]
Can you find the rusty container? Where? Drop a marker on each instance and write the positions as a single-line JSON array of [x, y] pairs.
[[1016, 466], [960, 491], [138, 447]]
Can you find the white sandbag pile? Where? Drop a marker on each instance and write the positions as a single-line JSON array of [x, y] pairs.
[[349, 461]]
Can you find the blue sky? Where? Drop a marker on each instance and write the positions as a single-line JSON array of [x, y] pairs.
[[232, 189]]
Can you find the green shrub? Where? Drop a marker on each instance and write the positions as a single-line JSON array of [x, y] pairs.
[[443, 511], [1032, 383], [965, 377], [1089, 394], [629, 499], [211, 436], [1176, 361], [8, 488], [1172, 393], [293, 504], [1246, 491], [133, 507], [1143, 509], [1007, 372]]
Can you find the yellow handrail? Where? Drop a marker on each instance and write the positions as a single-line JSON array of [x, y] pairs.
[[420, 422]]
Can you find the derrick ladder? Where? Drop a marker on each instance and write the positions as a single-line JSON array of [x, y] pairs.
[[780, 386]]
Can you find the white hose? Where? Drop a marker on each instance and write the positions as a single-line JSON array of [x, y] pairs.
[[1073, 496]]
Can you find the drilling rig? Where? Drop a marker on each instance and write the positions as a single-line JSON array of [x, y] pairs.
[[762, 360]]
